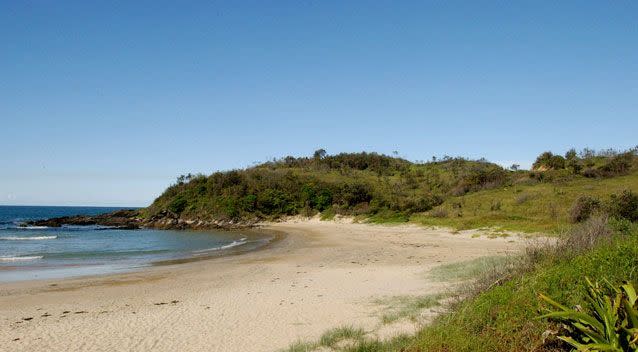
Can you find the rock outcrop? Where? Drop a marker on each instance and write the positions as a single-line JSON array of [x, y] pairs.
[[132, 219]]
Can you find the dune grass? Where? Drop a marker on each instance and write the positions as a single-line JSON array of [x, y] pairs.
[[407, 307], [467, 270], [340, 338]]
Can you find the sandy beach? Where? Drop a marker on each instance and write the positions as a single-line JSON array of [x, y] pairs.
[[320, 275]]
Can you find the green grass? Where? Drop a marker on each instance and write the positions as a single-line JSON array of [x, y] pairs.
[[468, 269], [301, 346], [388, 217], [340, 338], [333, 337], [328, 214], [545, 206]]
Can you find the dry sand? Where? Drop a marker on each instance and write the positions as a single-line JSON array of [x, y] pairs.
[[320, 276]]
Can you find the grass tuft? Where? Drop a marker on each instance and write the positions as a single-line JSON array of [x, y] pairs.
[[334, 336], [467, 270], [407, 307]]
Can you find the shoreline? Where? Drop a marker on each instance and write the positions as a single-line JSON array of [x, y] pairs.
[[252, 239], [317, 276]]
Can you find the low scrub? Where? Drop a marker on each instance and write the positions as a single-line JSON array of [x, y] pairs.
[[439, 213], [624, 205], [583, 208]]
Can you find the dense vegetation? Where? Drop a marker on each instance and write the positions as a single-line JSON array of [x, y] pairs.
[[452, 192], [349, 183]]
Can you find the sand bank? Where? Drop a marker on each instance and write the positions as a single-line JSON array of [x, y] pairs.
[[320, 276]]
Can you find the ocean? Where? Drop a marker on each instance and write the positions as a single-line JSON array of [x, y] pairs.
[[35, 252]]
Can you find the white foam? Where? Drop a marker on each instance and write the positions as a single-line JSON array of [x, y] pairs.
[[32, 227], [239, 242], [30, 238], [20, 259]]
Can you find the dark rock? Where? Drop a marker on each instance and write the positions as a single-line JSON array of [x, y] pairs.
[[131, 220]]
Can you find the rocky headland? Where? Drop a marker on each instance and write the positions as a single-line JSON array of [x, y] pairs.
[[133, 219]]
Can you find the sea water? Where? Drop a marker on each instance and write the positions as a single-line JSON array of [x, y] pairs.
[[36, 252]]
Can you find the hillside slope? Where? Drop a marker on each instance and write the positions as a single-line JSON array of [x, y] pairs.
[[450, 192], [351, 184]]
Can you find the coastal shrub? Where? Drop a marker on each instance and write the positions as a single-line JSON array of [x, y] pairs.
[[548, 160], [624, 205], [351, 194], [249, 203], [583, 208], [439, 213], [328, 214], [480, 177], [275, 202], [387, 216], [585, 236], [177, 205], [617, 165], [590, 172], [231, 208]]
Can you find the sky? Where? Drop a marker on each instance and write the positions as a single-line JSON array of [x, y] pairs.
[[105, 103]]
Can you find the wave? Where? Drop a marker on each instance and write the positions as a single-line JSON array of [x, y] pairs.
[[20, 259], [30, 238], [239, 242], [32, 227]]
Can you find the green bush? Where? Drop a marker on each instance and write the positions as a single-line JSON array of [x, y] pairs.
[[624, 205], [328, 214], [177, 205], [583, 208], [617, 165], [548, 160]]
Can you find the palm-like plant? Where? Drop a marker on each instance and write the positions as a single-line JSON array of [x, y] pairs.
[[611, 324]]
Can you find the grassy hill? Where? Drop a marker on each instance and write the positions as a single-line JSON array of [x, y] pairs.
[[359, 184], [526, 205], [453, 192]]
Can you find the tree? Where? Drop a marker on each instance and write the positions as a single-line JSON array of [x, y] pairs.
[[515, 167], [319, 153]]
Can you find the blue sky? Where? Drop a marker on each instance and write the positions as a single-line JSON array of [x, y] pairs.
[[104, 103]]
